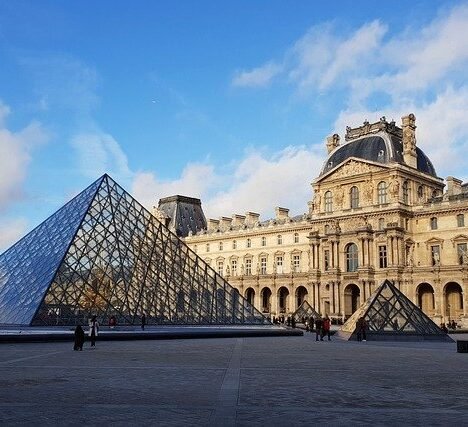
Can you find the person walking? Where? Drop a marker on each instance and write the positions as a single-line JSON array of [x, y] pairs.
[[326, 327], [318, 329], [79, 338], [361, 327], [143, 321], [93, 330]]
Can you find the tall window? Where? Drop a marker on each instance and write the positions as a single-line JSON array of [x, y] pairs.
[[220, 267], [382, 256], [406, 192], [263, 265], [280, 239], [433, 222], [234, 244], [296, 263], [326, 259], [207, 247], [296, 237], [279, 264], [327, 229], [354, 197], [195, 248], [382, 193], [420, 192], [248, 267], [351, 257], [263, 241], [328, 201], [460, 220], [462, 253], [234, 267], [381, 224], [435, 255], [249, 243], [220, 246]]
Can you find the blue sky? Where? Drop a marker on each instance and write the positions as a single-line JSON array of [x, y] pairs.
[[227, 101]]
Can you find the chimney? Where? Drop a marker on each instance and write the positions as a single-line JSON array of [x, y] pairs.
[[454, 186], [409, 140], [281, 213], [213, 224], [251, 218], [225, 223], [238, 219], [333, 141]]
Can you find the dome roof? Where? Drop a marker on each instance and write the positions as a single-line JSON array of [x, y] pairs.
[[380, 147]]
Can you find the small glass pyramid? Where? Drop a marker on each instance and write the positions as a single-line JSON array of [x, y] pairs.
[[104, 254], [304, 311], [388, 312]]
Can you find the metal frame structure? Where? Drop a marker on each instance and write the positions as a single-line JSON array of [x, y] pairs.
[[305, 310], [104, 254], [388, 312]]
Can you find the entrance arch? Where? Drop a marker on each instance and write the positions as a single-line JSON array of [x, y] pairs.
[[352, 299], [283, 296], [266, 300], [453, 300], [250, 295], [301, 294], [425, 298]]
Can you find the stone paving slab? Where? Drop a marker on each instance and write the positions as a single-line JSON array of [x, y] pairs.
[[272, 381]]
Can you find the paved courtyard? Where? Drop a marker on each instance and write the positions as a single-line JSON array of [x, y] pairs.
[[274, 381]]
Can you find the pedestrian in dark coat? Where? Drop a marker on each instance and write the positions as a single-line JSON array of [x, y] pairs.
[[79, 338], [318, 329]]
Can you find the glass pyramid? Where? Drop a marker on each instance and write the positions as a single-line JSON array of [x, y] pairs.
[[304, 311], [104, 254], [389, 312]]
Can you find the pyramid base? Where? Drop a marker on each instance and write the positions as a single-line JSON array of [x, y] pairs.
[[392, 336]]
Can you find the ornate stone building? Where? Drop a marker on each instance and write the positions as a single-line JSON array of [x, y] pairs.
[[379, 211]]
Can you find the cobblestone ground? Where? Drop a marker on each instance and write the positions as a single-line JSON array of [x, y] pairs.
[[283, 381]]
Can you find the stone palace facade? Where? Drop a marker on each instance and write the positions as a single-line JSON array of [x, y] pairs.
[[379, 211]]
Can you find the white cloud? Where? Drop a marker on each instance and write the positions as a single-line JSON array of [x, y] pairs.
[[11, 232], [442, 127], [257, 183], [99, 153], [196, 180], [258, 77], [15, 156]]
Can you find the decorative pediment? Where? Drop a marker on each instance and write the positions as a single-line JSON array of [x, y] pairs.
[[461, 238], [248, 256], [353, 166], [434, 241]]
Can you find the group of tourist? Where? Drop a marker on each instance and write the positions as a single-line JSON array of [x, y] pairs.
[[321, 326], [450, 325], [93, 331]]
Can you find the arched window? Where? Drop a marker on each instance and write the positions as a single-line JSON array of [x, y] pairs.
[[234, 244], [263, 241], [296, 237], [351, 257], [249, 243], [406, 192], [328, 201], [434, 194], [382, 193], [354, 197], [280, 239]]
